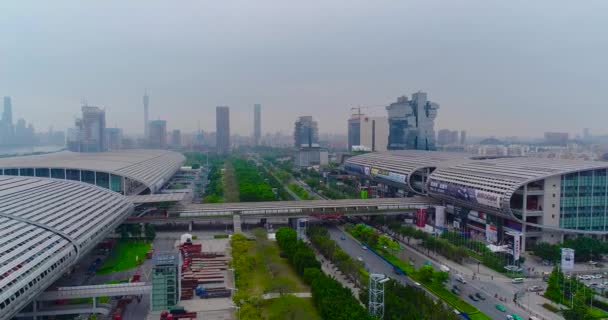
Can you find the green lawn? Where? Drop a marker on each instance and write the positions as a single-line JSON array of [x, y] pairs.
[[123, 256], [273, 273], [598, 313], [290, 307]]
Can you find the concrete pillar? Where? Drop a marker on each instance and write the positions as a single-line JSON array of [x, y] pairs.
[[143, 229], [190, 226], [35, 309], [94, 302]]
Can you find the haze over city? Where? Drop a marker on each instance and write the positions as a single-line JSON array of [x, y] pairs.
[[495, 68]]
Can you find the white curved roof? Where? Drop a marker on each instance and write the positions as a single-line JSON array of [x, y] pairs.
[[45, 225], [146, 166], [504, 176]]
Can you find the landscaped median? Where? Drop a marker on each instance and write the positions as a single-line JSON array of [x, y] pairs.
[[436, 287]]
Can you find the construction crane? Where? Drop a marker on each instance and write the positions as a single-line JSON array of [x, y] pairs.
[[358, 109]]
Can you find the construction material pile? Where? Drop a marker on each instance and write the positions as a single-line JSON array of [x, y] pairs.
[[200, 269]]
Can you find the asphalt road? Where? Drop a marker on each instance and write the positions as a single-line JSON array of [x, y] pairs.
[[376, 265]]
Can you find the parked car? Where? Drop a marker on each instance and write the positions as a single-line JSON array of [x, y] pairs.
[[472, 297], [460, 278], [480, 296], [500, 307], [535, 289]]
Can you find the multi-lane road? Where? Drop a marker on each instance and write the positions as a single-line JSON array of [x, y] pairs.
[[376, 265]]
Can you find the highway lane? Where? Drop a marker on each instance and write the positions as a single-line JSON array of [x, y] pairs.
[[377, 265]]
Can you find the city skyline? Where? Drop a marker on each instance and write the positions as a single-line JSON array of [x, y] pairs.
[[463, 62]]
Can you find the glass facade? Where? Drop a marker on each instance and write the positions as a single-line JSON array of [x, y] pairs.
[[42, 172], [103, 179], [584, 200], [72, 174], [58, 173], [28, 172], [116, 183], [88, 176]]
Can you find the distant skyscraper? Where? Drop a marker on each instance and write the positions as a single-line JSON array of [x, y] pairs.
[[306, 132], [158, 134], [114, 138], [463, 137], [176, 138], [586, 134], [257, 124], [367, 133], [146, 100], [7, 130], [411, 123], [89, 134], [557, 138], [447, 137], [222, 128]]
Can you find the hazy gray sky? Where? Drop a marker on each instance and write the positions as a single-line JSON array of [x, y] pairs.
[[495, 67]]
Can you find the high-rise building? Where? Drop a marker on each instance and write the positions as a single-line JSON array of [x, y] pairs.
[[114, 138], [7, 130], [411, 123], [157, 130], [146, 101], [176, 138], [447, 137], [367, 133], [89, 134], [556, 138], [257, 124], [463, 137], [586, 135], [222, 129], [306, 132]]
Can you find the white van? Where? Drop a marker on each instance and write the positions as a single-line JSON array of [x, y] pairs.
[[517, 280], [460, 278]]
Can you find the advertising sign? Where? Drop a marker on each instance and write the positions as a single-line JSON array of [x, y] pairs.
[[567, 259], [354, 168], [388, 175], [516, 246], [465, 193], [420, 217], [491, 233]]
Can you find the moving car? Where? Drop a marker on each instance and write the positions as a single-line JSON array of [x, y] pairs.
[[500, 307], [480, 296], [342, 237], [460, 279], [364, 247], [472, 297], [517, 280], [535, 289]]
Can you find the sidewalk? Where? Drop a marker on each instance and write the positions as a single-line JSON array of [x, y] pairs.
[[331, 270]]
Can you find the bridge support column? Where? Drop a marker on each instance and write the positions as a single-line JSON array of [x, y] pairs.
[[190, 226], [94, 302], [143, 228], [236, 220], [35, 309]]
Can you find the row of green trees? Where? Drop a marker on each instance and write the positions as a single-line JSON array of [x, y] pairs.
[[127, 231], [585, 248], [332, 300], [454, 246], [303, 194], [570, 292], [252, 185], [214, 192]]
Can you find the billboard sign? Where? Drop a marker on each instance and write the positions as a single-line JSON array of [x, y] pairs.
[[388, 175], [420, 217], [491, 233], [354, 168], [567, 259], [465, 193], [516, 246]]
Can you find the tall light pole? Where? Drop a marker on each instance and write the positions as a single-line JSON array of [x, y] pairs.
[[376, 295]]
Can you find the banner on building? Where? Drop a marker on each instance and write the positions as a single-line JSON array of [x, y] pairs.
[[420, 217], [465, 193], [567, 259], [491, 233], [388, 175], [516, 246]]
